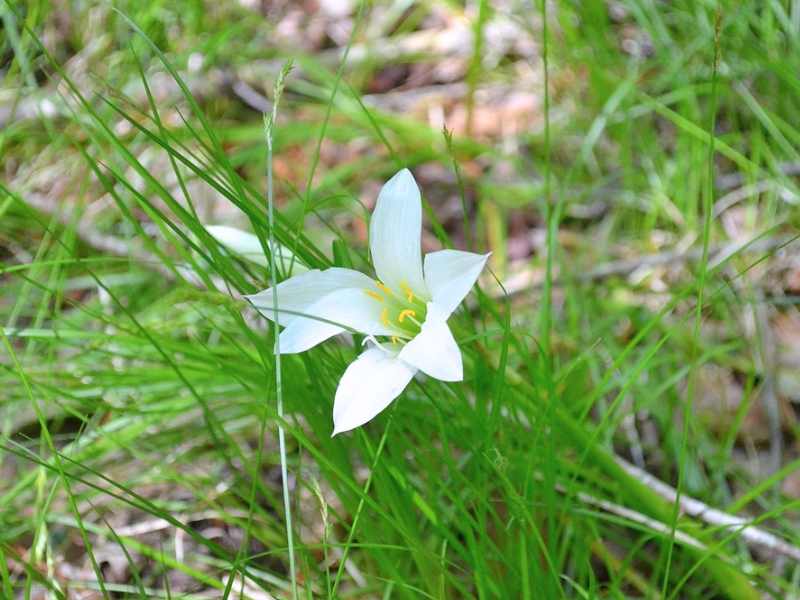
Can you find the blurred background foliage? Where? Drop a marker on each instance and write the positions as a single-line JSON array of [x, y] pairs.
[[642, 304]]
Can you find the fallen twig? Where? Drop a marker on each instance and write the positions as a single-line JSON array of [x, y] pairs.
[[528, 280], [703, 512]]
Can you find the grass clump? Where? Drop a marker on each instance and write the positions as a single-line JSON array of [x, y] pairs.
[[642, 322]]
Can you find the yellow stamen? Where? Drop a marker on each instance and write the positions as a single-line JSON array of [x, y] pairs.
[[406, 313], [374, 295], [394, 340], [407, 291], [383, 315], [385, 289]]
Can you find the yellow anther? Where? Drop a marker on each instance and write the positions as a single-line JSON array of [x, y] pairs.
[[406, 313], [383, 315], [385, 289], [394, 340], [407, 291], [374, 295]]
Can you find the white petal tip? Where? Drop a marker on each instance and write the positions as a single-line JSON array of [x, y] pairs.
[[453, 377], [367, 387]]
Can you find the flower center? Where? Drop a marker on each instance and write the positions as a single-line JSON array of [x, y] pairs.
[[403, 311]]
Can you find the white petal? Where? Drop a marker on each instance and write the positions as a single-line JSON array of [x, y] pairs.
[[297, 294], [249, 247], [394, 235], [434, 350], [368, 386], [450, 275], [240, 242], [335, 313]]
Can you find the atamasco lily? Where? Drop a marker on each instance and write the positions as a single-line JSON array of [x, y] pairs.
[[403, 313], [248, 246]]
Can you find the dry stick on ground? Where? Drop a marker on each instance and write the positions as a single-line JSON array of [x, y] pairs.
[[717, 253], [751, 534], [703, 512], [633, 516], [524, 281]]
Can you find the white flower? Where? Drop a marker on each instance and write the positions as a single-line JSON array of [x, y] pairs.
[[249, 247], [407, 306]]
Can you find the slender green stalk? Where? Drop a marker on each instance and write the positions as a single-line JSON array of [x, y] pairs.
[[269, 134], [551, 224]]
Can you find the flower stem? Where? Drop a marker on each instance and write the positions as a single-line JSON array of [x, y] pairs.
[[269, 133]]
